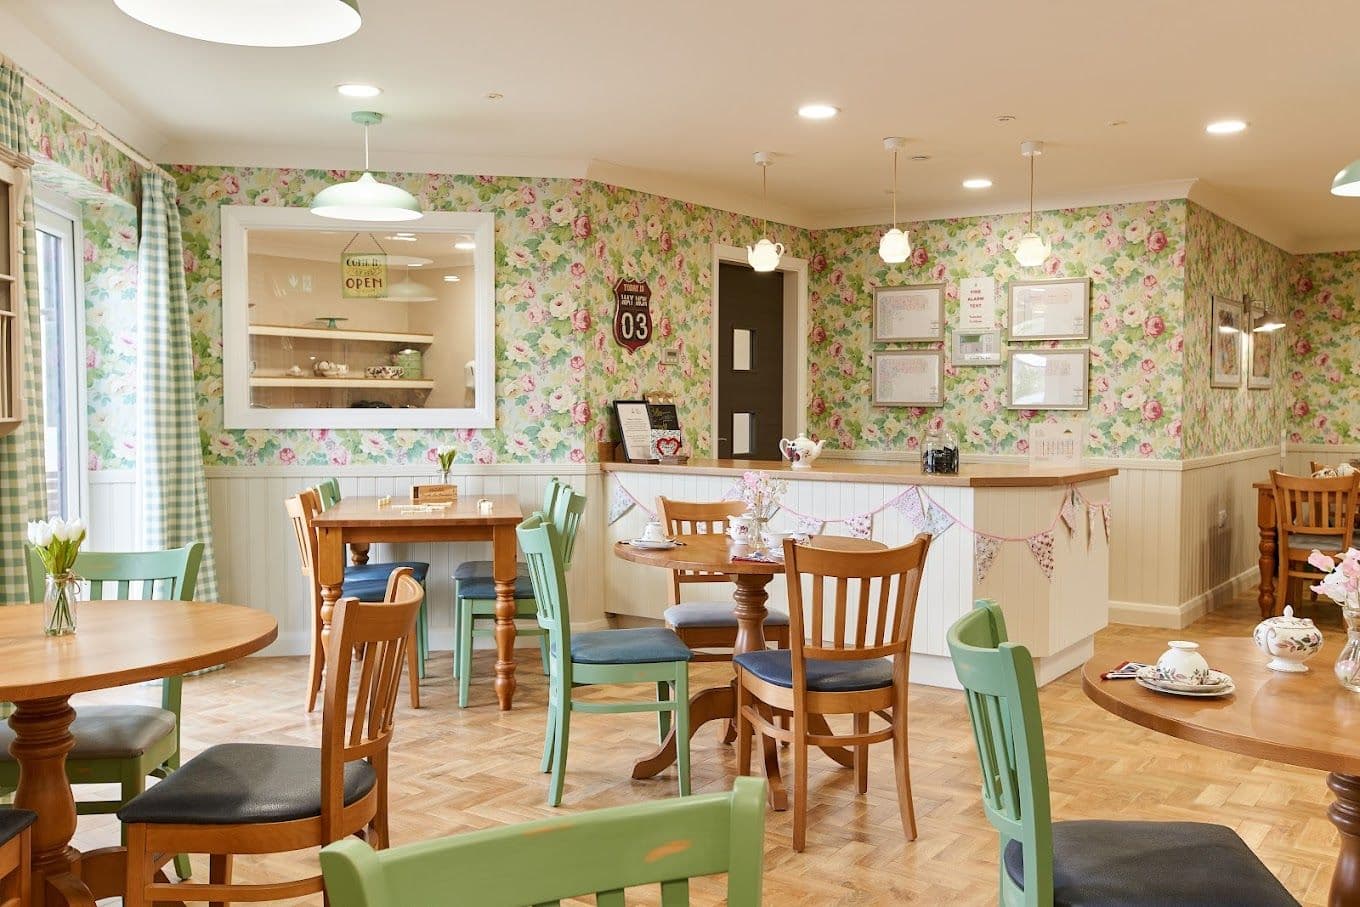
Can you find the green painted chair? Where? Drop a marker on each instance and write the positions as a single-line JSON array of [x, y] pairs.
[[121, 744], [1132, 864], [474, 600], [602, 853], [652, 655]]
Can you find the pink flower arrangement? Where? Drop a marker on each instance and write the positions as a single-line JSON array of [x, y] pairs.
[[1342, 582], [761, 493]]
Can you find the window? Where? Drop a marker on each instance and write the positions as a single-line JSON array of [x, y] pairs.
[[62, 362]]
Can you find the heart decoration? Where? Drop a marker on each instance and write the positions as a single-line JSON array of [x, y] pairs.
[[668, 447]]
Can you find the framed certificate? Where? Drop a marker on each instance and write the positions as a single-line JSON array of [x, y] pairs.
[[977, 348], [908, 378], [635, 430], [1050, 309], [1049, 379], [904, 314], [1227, 338]]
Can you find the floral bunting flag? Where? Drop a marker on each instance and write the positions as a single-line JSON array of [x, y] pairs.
[[733, 493], [620, 502], [1091, 511], [911, 505], [810, 525], [937, 521], [1068, 513], [985, 549], [861, 526], [1105, 514], [1041, 546]]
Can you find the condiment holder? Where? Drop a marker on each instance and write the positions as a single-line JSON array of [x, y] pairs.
[[1288, 640]]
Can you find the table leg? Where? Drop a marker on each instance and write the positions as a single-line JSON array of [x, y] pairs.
[[42, 738], [1345, 815], [1265, 522], [358, 553], [330, 575], [503, 569]]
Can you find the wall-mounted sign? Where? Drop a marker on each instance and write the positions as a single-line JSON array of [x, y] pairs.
[[977, 304], [363, 275], [632, 314]]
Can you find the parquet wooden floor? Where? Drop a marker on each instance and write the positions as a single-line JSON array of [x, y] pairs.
[[454, 770]]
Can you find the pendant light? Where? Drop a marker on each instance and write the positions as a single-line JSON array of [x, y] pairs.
[[251, 23], [764, 255], [366, 198], [1347, 182], [895, 246], [1032, 250]]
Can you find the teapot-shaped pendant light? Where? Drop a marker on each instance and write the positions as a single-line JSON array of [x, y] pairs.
[[366, 198], [764, 255], [1032, 250], [895, 246]]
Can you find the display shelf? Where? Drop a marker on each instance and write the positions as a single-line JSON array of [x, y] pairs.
[[294, 331], [393, 383]]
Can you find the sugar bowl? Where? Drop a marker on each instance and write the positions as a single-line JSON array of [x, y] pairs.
[[1288, 640]]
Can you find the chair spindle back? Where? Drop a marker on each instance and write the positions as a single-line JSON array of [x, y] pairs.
[[696, 518], [168, 575], [328, 493], [1324, 507]]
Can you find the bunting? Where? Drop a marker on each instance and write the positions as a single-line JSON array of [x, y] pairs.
[[985, 549], [861, 526], [1041, 546], [810, 525], [1105, 515], [1092, 511], [1068, 513], [937, 521], [620, 502]]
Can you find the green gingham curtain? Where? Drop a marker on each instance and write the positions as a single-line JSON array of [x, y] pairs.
[[169, 458], [22, 471]]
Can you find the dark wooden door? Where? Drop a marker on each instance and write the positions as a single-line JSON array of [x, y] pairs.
[[750, 363]]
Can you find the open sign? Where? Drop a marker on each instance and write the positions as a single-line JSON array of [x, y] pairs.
[[363, 275]]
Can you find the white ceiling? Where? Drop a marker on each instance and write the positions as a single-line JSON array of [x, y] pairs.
[[675, 97], [433, 249]]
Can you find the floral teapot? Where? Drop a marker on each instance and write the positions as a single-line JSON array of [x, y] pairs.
[[801, 451]]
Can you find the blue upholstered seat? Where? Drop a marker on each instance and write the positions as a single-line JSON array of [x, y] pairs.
[[1326, 543], [692, 615], [776, 666], [368, 582], [482, 570], [644, 645], [484, 588]]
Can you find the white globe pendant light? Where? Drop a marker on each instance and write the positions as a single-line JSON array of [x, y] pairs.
[[366, 198], [895, 246], [1347, 182], [1032, 250], [252, 23], [764, 255]]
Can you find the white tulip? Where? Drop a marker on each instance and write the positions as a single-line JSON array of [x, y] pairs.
[[33, 532], [42, 536], [59, 530], [76, 527]]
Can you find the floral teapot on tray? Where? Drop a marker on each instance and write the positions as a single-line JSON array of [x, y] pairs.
[[801, 451]]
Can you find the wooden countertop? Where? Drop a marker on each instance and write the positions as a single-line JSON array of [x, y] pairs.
[[972, 475]]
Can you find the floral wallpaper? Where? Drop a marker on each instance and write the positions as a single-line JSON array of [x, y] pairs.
[[1321, 367], [109, 254], [1135, 256]]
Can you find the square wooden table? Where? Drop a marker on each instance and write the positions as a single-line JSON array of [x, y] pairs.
[[360, 521]]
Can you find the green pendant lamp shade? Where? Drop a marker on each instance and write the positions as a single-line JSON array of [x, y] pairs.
[[1347, 182], [366, 198], [251, 23]]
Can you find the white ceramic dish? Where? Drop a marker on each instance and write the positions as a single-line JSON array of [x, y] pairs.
[[652, 545], [1217, 681], [1202, 694]]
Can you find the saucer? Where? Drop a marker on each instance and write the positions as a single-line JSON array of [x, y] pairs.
[[1202, 694], [1220, 684], [650, 545]]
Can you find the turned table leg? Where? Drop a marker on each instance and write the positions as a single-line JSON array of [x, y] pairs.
[[42, 738], [330, 575], [1265, 522], [1345, 815], [503, 569], [358, 553]]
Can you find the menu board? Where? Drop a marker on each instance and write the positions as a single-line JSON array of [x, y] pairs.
[[908, 378]]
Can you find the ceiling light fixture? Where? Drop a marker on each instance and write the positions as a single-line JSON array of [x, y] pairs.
[[977, 182], [366, 198], [1033, 249], [818, 111], [358, 90], [895, 245], [1225, 127], [1347, 181], [451, 278], [409, 290], [465, 246], [250, 23], [764, 255]]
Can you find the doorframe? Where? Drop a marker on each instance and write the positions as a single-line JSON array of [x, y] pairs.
[[795, 319]]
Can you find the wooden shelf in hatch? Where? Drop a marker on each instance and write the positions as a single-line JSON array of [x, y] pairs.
[[288, 330], [393, 383]]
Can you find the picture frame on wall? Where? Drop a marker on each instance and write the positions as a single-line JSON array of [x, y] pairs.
[[908, 378], [909, 314], [1050, 379], [633, 424], [1227, 335], [1260, 350], [1057, 309]]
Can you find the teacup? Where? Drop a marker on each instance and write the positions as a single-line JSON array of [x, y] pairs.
[[739, 529], [1182, 663], [654, 532]]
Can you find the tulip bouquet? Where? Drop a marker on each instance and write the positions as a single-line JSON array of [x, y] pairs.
[[445, 457], [57, 542]]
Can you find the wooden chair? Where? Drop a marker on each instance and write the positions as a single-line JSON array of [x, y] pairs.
[[860, 668], [600, 852], [474, 593], [255, 798], [651, 655], [16, 853], [362, 584], [1133, 864], [1310, 514], [121, 744], [708, 625]]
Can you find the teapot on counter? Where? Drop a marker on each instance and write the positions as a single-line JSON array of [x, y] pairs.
[[801, 451]]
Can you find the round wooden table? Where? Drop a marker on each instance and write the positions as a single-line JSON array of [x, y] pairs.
[[117, 643], [1308, 720], [712, 553]]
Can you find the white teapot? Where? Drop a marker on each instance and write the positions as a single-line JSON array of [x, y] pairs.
[[801, 451]]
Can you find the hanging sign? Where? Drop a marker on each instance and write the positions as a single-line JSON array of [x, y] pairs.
[[977, 304], [632, 314], [363, 275]]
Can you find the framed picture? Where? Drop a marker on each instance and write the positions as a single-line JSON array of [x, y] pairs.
[[1260, 351], [1227, 334], [977, 348], [634, 426], [904, 314], [1049, 379], [908, 378], [1050, 309]]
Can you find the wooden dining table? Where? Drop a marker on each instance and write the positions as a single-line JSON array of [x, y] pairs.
[[1307, 720], [712, 553], [117, 643], [361, 521], [1269, 561]]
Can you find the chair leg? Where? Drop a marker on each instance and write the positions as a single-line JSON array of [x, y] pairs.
[[543, 653], [800, 781], [464, 653], [744, 728], [550, 734], [902, 766], [682, 726], [422, 639], [413, 667], [315, 662], [219, 873], [138, 870], [561, 735], [131, 784], [457, 622], [862, 754], [663, 717]]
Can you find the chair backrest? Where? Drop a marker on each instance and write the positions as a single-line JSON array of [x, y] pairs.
[[695, 517], [1321, 507], [550, 493], [603, 852], [302, 510], [565, 511], [1003, 706], [328, 491], [882, 588], [361, 727], [542, 547]]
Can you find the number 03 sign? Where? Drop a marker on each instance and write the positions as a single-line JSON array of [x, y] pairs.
[[632, 313]]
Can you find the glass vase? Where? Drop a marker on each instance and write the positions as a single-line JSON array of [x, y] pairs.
[[59, 604], [1348, 662], [759, 526]]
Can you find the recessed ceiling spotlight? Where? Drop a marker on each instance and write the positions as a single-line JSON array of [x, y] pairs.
[[977, 182], [465, 245], [451, 278], [1225, 127], [493, 96], [920, 157], [1117, 123], [1005, 118], [358, 90], [403, 237], [416, 264], [818, 111]]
